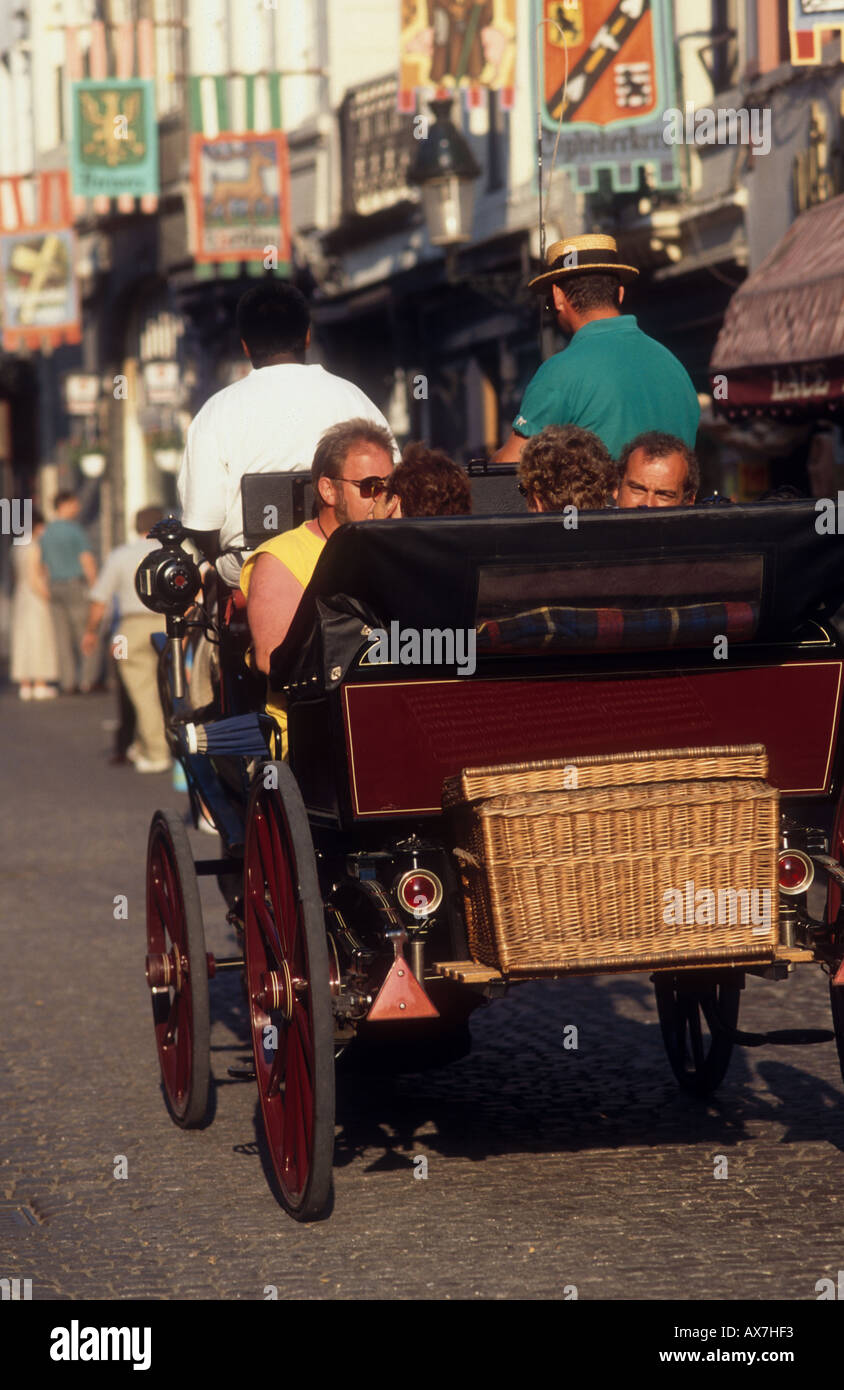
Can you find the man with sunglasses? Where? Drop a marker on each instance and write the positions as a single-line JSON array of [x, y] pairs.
[[351, 469]]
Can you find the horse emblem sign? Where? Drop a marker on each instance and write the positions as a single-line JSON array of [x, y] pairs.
[[115, 140], [240, 185]]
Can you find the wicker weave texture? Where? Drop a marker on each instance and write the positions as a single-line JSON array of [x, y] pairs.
[[617, 769], [572, 879]]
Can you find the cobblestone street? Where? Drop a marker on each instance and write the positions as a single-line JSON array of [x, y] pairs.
[[546, 1167]]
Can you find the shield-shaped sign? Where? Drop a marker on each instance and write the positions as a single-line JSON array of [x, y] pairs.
[[612, 60], [608, 105]]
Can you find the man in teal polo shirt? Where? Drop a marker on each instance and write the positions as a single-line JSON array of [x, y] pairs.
[[70, 570], [612, 378]]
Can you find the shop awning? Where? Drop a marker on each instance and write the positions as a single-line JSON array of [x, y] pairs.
[[781, 348]]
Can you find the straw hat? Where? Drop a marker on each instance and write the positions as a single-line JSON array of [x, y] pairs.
[[579, 254]]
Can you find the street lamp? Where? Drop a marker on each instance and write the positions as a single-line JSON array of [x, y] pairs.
[[446, 170]]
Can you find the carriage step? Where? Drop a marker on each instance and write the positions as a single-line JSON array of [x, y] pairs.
[[245, 1071], [467, 972]]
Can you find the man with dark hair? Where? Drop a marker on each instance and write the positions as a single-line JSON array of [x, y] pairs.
[[612, 379], [272, 317], [656, 470], [135, 659], [426, 483], [351, 467], [565, 466], [268, 422]]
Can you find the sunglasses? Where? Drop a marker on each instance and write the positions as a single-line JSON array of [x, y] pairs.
[[369, 487]]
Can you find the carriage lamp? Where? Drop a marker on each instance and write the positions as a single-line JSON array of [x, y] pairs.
[[419, 892], [445, 170], [168, 580], [795, 871]]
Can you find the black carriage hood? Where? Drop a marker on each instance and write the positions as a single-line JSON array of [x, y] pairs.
[[425, 573]]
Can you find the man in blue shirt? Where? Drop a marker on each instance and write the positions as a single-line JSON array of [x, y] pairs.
[[70, 570], [612, 379]]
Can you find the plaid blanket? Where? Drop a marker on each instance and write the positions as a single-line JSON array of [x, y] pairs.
[[611, 629]]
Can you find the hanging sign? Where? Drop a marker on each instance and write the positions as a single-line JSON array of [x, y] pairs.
[[241, 197], [619, 84], [114, 152], [39, 293], [81, 393], [456, 44], [807, 20]]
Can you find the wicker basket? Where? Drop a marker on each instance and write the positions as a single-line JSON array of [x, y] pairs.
[[653, 859], [607, 770]]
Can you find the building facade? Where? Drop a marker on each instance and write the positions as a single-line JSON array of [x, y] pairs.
[[443, 343]]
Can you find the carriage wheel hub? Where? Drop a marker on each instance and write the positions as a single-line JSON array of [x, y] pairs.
[[276, 993], [162, 971]]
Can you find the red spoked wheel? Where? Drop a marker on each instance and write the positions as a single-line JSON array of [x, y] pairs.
[[177, 971], [288, 983]]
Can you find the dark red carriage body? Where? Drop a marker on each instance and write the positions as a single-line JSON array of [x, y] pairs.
[[608, 675]]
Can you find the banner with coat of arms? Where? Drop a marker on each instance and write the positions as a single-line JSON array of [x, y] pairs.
[[620, 81], [446, 45], [114, 152], [806, 21]]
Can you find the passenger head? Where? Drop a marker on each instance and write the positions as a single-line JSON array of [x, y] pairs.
[[426, 483], [146, 518], [351, 465], [565, 466], [66, 506], [274, 323], [657, 470]]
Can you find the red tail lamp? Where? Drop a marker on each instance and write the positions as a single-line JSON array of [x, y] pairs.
[[419, 892], [795, 871]]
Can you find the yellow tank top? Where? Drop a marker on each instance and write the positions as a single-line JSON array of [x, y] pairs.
[[299, 550]]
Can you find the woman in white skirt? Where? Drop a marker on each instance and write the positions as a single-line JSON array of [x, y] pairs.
[[34, 663]]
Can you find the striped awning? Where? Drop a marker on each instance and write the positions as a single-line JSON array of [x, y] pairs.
[[781, 348]]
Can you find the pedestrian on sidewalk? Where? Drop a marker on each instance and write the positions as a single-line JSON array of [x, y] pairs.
[[70, 569], [135, 656], [34, 666]]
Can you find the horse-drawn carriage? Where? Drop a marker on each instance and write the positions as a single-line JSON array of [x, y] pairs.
[[518, 749]]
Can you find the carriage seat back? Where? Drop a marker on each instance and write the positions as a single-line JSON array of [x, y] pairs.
[[274, 502]]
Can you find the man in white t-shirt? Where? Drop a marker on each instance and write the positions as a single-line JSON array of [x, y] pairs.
[[135, 658], [269, 422]]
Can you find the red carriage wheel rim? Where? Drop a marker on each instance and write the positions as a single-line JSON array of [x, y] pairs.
[[294, 1089], [174, 937]]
